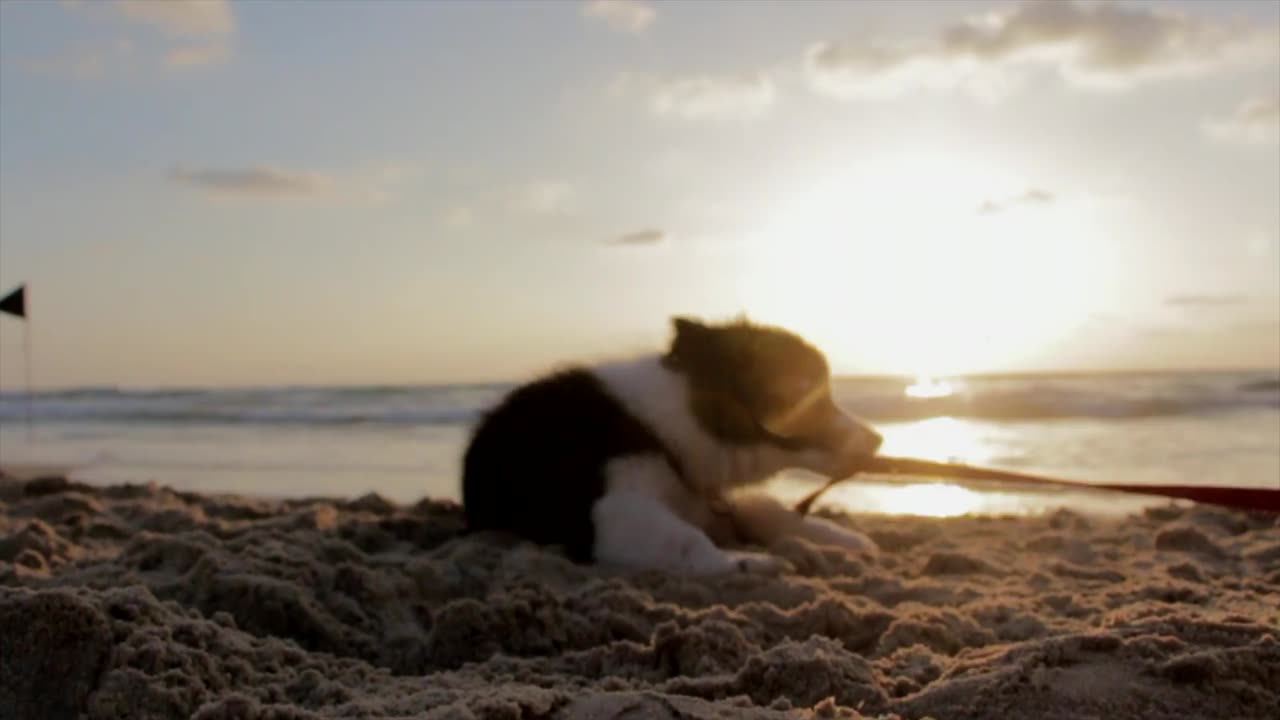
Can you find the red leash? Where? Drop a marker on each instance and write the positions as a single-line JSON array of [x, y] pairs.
[[1233, 497]]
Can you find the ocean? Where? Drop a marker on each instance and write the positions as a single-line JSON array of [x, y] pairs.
[[406, 442]]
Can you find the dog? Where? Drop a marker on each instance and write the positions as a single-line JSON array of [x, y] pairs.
[[649, 463]]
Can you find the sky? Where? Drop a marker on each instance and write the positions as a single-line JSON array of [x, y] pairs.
[[246, 193]]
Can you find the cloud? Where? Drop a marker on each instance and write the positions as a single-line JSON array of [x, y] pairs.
[[1034, 196], [699, 97], [705, 96], [1255, 121], [546, 198], [855, 70], [180, 17], [371, 185], [198, 32], [261, 182], [650, 236], [1205, 301], [1094, 45], [631, 16]]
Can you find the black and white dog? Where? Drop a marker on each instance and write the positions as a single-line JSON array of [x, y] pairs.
[[641, 463]]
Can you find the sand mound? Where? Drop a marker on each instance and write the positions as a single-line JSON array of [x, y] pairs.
[[138, 601]]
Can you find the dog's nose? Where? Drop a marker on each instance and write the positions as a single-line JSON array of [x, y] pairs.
[[857, 438], [864, 442], [874, 441], [859, 443]]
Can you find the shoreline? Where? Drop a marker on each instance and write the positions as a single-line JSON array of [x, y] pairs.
[[142, 600], [868, 494]]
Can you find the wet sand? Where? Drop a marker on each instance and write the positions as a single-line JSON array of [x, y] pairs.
[[137, 601]]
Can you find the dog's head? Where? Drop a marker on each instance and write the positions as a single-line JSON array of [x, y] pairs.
[[754, 384]]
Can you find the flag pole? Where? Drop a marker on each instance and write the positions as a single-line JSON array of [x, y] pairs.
[[26, 367]]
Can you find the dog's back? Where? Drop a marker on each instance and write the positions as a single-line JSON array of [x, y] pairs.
[[536, 462]]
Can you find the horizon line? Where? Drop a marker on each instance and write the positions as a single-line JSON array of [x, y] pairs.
[[906, 377]]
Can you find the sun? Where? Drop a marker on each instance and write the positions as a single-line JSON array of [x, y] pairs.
[[890, 266]]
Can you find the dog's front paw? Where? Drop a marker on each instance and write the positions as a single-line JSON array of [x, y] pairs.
[[825, 532], [754, 563]]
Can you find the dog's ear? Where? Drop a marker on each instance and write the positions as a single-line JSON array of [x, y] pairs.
[[688, 328], [692, 342]]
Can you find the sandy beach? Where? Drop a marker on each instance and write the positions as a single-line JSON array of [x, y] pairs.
[[138, 601]]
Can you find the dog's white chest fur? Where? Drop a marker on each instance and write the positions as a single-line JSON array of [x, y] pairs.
[[650, 517], [659, 397]]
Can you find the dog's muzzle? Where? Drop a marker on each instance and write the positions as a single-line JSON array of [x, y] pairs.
[[849, 442]]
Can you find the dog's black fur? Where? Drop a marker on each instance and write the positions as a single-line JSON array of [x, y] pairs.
[[535, 464]]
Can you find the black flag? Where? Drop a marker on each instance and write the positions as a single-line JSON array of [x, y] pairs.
[[15, 303]]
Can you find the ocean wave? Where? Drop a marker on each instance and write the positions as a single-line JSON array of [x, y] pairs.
[[1261, 386], [1049, 404], [879, 400], [260, 417], [274, 406]]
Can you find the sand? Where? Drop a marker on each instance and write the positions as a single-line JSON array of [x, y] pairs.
[[137, 601]]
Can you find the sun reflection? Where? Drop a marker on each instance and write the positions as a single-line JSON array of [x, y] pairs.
[[925, 387], [944, 439], [932, 500]]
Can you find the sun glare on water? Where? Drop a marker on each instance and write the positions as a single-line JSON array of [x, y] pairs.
[[932, 500], [943, 439], [926, 388]]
